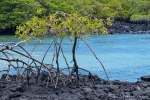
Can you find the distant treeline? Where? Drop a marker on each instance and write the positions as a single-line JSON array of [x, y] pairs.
[[15, 12]]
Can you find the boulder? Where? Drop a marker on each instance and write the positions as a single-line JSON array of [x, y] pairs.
[[18, 87], [145, 78]]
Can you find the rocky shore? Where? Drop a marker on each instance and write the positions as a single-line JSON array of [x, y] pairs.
[[117, 27], [93, 89], [132, 28]]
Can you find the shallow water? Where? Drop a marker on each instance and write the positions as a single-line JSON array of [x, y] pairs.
[[126, 57]]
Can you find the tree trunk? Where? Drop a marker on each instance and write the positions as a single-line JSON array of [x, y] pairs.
[[75, 66]]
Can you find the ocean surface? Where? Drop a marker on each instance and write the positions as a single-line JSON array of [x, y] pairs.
[[126, 57]]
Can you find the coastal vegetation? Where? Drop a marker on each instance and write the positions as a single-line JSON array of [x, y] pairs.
[[15, 12], [61, 25]]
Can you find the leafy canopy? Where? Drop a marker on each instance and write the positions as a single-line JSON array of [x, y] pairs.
[[63, 25], [15, 12]]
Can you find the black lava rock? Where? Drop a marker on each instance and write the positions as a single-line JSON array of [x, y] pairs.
[[145, 78]]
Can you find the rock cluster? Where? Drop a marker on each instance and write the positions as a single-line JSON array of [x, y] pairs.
[[98, 89], [133, 28]]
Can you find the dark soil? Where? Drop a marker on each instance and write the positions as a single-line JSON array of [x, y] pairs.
[[117, 90]]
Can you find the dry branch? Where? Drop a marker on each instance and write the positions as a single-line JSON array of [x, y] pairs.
[[55, 75], [96, 58]]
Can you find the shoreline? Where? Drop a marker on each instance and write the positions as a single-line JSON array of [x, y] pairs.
[[99, 90], [129, 28], [117, 27]]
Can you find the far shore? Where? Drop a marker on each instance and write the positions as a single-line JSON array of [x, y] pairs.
[[117, 27]]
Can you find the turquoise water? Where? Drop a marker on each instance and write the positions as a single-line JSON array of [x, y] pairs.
[[126, 57]]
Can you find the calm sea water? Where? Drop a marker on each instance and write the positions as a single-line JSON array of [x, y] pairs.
[[126, 57]]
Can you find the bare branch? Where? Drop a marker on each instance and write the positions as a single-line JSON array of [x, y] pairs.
[[96, 58]]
